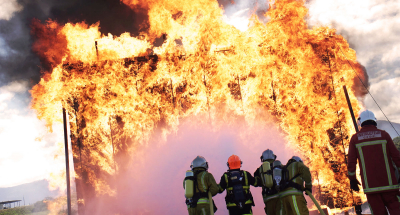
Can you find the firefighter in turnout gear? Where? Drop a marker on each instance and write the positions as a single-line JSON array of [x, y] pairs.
[[198, 184], [296, 178], [237, 183], [375, 151], [264, 179]]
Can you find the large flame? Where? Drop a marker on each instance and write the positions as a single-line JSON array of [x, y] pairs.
[[118, 92]]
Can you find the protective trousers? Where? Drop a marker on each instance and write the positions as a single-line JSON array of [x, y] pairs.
[[273, 207], [246, 210], [380, 201], [294, 205], [200, 209]]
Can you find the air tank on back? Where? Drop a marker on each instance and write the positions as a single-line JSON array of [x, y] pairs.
[[266, 174], [189, 184]]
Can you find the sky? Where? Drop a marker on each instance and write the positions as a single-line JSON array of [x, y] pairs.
[[29, 153]]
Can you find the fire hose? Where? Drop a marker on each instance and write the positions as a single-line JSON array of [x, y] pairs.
[[315, 202]]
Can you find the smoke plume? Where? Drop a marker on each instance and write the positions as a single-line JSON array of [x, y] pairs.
[[17, 59]]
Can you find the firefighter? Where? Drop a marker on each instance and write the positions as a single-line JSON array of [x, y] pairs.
[[374, 150], [297, 179], [237, 183], [201, 183], [269, 193]]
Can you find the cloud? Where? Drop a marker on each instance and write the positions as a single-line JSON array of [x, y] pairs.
[[387, 94], [27, 150], [8, 8], [18, 62], [372, 28]]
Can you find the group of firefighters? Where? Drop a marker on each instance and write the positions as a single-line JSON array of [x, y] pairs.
[[283, 185]]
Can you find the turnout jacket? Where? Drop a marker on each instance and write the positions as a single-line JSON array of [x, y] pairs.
[[374, 149], [225, 184], [205, 182], [300, 175]]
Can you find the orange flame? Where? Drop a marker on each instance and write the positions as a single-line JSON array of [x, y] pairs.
[[118, 93]]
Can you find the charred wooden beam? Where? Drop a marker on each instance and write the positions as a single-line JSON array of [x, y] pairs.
[[67, 161]]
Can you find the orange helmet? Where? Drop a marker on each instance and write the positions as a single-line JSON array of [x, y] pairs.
[[234, 162]]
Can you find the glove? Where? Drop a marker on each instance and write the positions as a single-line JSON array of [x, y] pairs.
[[354, 185]]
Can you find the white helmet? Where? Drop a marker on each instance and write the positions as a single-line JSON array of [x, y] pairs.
[[296, 158], [365, 116], [199, 161], [267, 155]]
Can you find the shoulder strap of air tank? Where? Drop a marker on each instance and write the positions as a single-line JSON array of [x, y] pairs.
[[245, 178], [202, 181]]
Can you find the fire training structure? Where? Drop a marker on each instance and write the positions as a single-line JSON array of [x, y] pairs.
[[119, 91]]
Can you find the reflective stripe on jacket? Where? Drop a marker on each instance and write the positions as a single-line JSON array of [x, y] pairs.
[[375, 151]]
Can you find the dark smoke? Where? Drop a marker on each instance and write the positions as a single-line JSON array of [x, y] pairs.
[[21, 63], [361, 82]]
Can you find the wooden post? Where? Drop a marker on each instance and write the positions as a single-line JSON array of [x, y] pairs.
[[97, 50], [350, 108], [357, 205], [67, 161]]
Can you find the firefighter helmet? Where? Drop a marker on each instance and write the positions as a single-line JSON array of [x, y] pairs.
[[199, 161], [267, 155], [297, 159], [366, 116], [234, 162]]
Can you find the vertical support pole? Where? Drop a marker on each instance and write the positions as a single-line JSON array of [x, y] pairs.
[[112, 144], [350, 108], [67, 161], [357, 206], [97, 50]]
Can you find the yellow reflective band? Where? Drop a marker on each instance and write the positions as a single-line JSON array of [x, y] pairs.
[[226, 179], [398, 198], [230, 205], [363, 167], [202, 182], [245, 179], [203, 201], [295, 205], [370, 143], [375, 189], [351, 173], [387, 164], [290, 192], [267, 198], [244, 188], [234, 204]]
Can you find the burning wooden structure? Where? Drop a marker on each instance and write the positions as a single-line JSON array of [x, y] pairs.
[[118, 92]]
